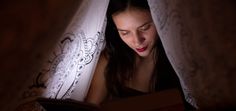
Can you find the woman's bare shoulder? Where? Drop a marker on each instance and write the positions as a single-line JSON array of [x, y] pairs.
[[102, 61], [98, 91], [104, 55]]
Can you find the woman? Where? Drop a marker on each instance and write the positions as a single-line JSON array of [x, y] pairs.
[[133, 61]]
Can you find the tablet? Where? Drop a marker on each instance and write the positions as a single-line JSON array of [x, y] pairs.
[[66, 105]]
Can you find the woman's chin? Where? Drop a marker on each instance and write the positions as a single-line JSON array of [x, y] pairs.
[[143, 54]]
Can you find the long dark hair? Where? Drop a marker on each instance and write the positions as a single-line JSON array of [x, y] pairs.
[[121, 58]]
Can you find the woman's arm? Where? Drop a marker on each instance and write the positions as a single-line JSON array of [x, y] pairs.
[[97, 91]]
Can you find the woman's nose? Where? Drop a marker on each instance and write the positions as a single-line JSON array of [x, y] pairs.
[[138, 38]]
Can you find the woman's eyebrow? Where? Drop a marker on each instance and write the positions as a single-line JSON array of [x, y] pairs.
[[121, 29], [145, 24], [138, 27]]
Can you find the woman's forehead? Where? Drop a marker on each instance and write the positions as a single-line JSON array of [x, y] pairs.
[[131, 18]]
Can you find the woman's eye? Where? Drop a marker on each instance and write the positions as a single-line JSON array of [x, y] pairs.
[[123, 33], [145, 27]]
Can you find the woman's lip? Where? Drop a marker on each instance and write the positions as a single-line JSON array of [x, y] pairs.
[[141, 49]]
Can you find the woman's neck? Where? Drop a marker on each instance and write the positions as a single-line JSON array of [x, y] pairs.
[[143, 73]]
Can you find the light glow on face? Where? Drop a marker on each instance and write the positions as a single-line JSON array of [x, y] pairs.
[[137, 30]]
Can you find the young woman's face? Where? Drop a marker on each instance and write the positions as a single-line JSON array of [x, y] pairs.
[[137, 30]]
